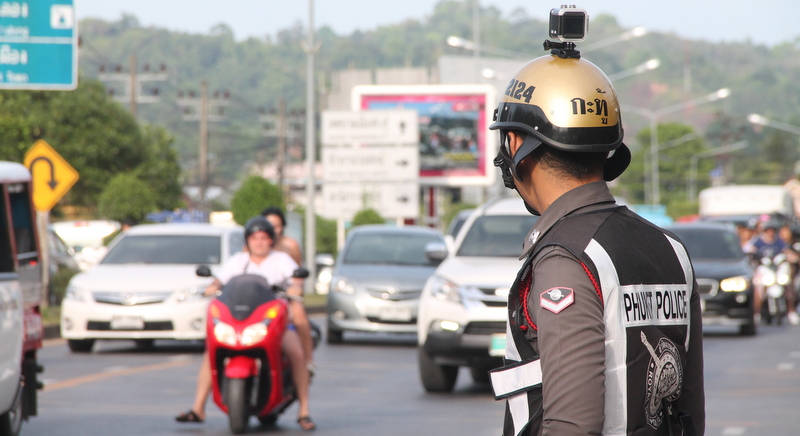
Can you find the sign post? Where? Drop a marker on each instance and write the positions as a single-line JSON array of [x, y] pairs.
[[38, 45], [52, 175]]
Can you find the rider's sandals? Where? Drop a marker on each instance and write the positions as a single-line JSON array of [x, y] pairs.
[[306, 423]]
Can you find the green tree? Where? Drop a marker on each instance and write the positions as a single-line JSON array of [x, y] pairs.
[[255, 195], [367, 216], [126, 198], [326, 233], [96, 135]]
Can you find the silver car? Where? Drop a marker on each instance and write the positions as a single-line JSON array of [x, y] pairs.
[[379, 277]]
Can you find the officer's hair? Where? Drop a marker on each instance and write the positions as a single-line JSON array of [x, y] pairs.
[[577, 165]]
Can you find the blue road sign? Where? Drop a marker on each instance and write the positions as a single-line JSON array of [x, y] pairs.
[[38, 45]]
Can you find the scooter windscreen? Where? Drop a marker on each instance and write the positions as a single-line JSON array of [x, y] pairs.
[[243, 293]]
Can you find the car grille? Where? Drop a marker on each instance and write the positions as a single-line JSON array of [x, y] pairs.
[[485, 327], [393, 294], [707, 287], [149, 325], [383, 321], [130, 298]]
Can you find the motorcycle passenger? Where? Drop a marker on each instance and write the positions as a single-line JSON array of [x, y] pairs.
[[793, 257], [291, 247], [277, 267]]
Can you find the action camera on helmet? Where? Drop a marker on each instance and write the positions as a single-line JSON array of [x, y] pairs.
[[569, 24]]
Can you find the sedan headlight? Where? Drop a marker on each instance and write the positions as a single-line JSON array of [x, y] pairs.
[[254, 334], [343, 286], [225, 334], [77, 294], [734, 284], [191, 294], [445, 290]]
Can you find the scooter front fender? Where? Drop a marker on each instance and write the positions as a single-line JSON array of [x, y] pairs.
[[241, 367]]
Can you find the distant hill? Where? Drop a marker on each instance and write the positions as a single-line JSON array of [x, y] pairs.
[[259, 72]]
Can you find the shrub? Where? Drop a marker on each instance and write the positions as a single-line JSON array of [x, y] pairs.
[[255, 195]]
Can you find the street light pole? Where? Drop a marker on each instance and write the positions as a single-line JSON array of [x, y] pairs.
[[310, 47], [763, 121], [653, 116], [691, 193]]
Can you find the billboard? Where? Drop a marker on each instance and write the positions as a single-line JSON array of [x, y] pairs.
[[456, 147]]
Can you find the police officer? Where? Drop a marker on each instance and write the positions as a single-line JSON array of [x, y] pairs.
[[604, 333]]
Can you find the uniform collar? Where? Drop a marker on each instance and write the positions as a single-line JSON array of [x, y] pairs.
[[584, 196]]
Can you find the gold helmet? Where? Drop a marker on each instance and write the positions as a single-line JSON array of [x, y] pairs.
[[565, 103]]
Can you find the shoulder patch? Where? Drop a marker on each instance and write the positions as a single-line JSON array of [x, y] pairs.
[[557, 299]]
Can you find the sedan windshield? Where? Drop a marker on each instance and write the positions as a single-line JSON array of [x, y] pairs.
[[710, 243], [165, 249], [497, 236], [389, 248]]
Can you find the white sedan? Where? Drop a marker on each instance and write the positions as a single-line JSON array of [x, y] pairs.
[[145, 288]]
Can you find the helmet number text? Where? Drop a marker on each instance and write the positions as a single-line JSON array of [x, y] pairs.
[[520, 90]]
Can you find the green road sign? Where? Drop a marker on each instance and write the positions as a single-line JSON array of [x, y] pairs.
[[38, 45]]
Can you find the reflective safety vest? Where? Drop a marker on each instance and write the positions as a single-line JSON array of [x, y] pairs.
[[649, 298]]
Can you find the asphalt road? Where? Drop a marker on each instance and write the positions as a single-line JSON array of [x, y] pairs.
[[369, 386]]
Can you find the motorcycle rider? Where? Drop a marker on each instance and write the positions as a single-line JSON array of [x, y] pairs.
[[769, 244], [591, 347], [277, 267]]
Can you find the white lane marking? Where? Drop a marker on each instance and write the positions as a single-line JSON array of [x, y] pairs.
[[788, 366], [733, 431], [795, 354]]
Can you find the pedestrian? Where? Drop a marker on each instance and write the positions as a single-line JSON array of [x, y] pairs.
[[604, 328]]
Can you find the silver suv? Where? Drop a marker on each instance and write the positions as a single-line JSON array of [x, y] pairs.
[[463, 307]]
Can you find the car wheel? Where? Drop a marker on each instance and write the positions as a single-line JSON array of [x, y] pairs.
[[11, 421], [335, 336], [435, 377], [145, 344], [747, 329], [480, 374], [80, 345]]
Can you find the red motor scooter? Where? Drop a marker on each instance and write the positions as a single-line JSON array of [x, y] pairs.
[[244, 329]]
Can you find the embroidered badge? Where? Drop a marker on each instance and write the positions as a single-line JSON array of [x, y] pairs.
[[557, 299]]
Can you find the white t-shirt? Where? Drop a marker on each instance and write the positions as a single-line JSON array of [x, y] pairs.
[[277, 268]]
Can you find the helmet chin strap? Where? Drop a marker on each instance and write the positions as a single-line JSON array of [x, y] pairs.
[[508, 165]]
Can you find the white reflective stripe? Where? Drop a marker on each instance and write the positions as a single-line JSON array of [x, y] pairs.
[[511, 347], [518, 406], [686, 264], [616, 372], [516, 378]]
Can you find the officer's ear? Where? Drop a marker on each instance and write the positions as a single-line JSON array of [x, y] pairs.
[[514, 141]]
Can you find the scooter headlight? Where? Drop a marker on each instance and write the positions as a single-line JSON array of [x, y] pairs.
[[225, 334], [768, 279], [253, 334], [783, 279]]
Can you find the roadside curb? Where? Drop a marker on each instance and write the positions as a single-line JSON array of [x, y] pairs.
[[53, 331]]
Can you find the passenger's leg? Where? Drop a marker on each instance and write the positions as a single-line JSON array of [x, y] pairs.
[[294, 351]]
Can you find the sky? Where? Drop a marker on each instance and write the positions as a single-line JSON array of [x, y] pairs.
[[767, 22]]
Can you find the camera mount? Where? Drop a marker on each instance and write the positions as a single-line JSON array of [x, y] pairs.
[[564, 50]]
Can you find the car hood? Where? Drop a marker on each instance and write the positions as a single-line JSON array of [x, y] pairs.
[[139, 278], [480, 271], [721, 269], [398, 275]]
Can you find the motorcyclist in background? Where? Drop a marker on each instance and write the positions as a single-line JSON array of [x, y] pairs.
[[769, 244], [277, 267]]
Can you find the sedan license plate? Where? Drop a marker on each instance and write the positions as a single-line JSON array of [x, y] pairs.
[[395, 313], [127, 323], [497, 347]]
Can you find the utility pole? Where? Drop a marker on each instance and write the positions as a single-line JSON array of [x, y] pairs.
[[133, 83], [203, 110], [310, 47], [284, 128]]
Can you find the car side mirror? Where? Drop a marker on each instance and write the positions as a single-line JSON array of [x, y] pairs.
[[435, 252], [300, 273], [203, 271]]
